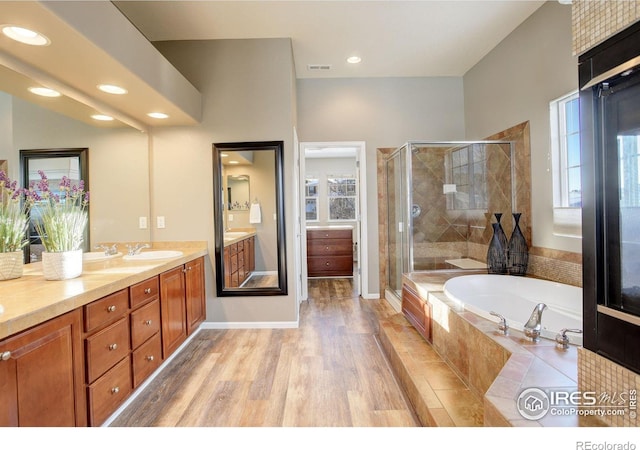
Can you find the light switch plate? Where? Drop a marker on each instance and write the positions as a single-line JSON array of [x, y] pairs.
[[142, 222], [160, 221]]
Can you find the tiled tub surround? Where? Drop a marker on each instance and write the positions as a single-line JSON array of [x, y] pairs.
[[494, 367]]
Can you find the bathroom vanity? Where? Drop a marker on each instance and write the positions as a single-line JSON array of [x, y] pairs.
[[72, 351], [330, 251], [239, 258]]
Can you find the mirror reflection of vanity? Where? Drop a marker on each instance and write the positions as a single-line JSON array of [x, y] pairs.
[[249, 219]]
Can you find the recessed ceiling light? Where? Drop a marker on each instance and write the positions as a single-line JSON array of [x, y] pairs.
[[102, 117], [25, 35], [158, 115], [234, 162], [223, 155], [112, 89], [44, 92], [354, 59]]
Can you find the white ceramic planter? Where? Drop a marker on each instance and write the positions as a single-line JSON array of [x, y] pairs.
[[62, 265], [11, 265]]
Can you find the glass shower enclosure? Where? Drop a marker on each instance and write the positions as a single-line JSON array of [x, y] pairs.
[[440, 202]]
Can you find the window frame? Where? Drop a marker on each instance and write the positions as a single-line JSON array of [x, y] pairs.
[[343, 177], [567, 218], [314, 197]]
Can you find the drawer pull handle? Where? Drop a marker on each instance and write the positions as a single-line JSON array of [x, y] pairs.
[[4, 356], [189, 268], [327, 264], [115, 390], [111, 308], [147, 291], [184, 270], [327, 247], [147, 322], [150, 358], [113, 347]]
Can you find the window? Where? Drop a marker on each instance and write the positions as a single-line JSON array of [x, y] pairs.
[[311, 195], [342, 197], [466, 178], [565, 151]]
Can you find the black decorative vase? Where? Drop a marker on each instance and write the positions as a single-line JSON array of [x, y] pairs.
[[518, 250], [502, 237], [496, 255]]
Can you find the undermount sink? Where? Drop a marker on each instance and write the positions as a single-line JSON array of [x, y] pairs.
[[234, 234], [98, 256], [153, 254]]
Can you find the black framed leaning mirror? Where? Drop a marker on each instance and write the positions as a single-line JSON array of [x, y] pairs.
[[250, 248]]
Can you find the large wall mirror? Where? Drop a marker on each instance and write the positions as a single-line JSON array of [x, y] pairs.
[[55, 163], [250, 248]]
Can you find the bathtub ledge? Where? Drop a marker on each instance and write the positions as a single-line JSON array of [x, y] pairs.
[[515, 363]]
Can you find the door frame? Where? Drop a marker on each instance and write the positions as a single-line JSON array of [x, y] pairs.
[[361, 219]]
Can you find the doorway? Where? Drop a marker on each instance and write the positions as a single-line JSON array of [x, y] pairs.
[[331, 181]]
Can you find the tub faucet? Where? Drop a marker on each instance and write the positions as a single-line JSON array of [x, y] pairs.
[[503, 327], [533, 326]]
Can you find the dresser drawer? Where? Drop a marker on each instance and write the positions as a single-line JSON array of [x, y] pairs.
[[146, 359], [145, 322], [324, 247], [329, 234], [330, 266], [106, 348], [106, 310], [108, 392], [144, 292]]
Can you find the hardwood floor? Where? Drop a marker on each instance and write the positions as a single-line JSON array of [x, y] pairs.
[[329, 372]]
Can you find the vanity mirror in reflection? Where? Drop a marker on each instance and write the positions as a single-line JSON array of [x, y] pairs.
[[238, 192], [249, 219]]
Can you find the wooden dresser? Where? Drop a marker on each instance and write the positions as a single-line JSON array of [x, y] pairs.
[[330, 252]]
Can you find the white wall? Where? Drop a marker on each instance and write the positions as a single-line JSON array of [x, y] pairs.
[[247, 89], [514, 83], [383, 112]]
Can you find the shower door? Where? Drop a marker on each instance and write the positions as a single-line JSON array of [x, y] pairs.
[[398, 245]]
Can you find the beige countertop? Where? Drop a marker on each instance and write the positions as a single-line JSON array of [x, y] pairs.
[[249, 232], [30, 300]]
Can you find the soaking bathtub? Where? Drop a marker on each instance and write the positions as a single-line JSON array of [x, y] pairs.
[[514, 298]]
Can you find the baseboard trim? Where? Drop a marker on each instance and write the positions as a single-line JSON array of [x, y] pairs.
[[247, 325]]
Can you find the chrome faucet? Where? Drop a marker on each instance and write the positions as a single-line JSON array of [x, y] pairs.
[[562, 339], [534, 325], [503, 327], [108, 251], [135, 249]]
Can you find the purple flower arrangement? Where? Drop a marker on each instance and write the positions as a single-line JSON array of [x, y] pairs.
[[60, 217], [13, 216]]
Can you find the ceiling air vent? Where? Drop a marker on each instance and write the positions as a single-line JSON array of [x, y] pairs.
[[318, 66]]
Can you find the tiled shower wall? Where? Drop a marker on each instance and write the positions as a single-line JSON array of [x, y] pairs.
[[592, 23]]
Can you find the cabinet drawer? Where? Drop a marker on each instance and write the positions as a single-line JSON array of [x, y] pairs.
[[329, 234], [144, 292], [106, 348], [325, 247], [234, 263], [106, 310], [330, 266], [108, 392], [240, 245], [233, 248], [145, 322], [146, 359]]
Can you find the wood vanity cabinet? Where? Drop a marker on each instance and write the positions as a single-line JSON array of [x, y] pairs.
[[330, 253], [417, 312], [173, 310], [239, 262], [107, 350], [42, 375], [195, 294]]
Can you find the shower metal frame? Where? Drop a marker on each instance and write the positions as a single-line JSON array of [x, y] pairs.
[[408, 178]]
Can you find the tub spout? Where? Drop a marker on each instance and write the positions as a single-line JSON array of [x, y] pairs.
[[534, 325]]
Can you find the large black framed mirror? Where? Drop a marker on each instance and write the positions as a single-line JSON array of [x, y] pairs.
[[250, 247], [55, 163]]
